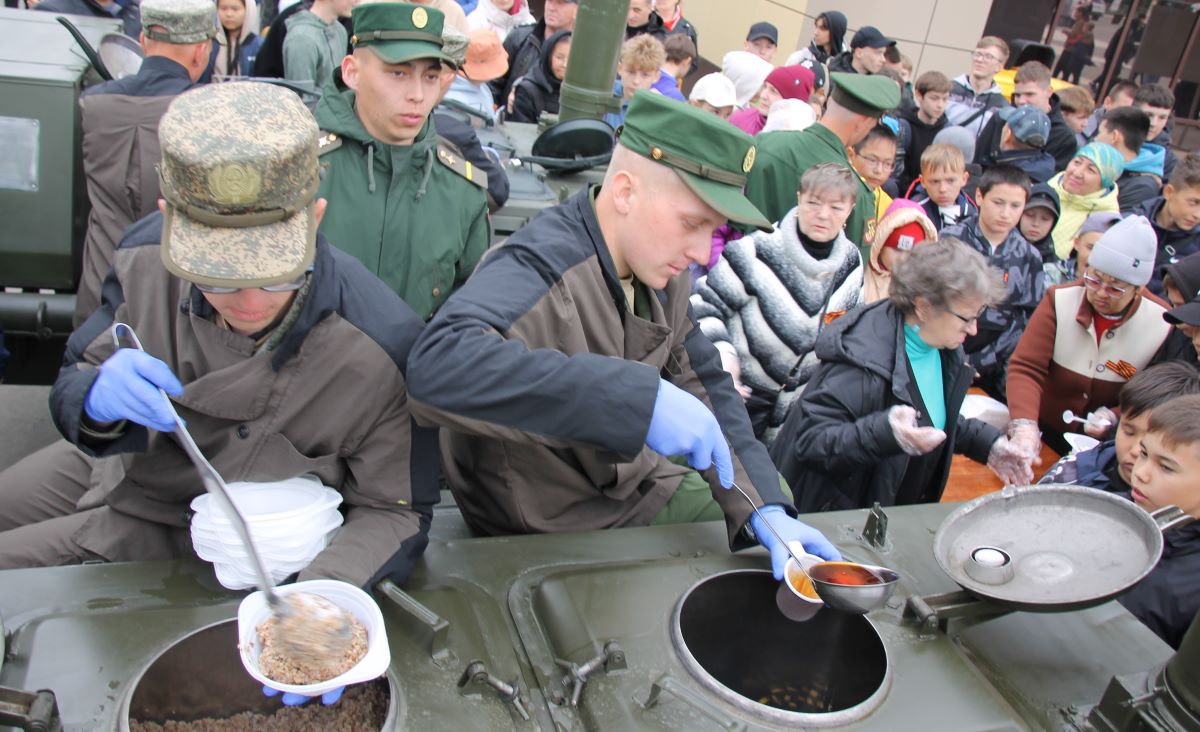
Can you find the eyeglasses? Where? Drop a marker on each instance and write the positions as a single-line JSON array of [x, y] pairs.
[[292, 286], [966, 321], [876, 163], [981, 56], [1095, 283]]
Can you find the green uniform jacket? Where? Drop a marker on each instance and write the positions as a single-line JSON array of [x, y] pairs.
[[415, 215], [783, 157]]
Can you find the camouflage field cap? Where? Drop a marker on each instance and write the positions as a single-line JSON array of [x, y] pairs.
[[667, 132], [400, 32], [239, 174], [179, 21]]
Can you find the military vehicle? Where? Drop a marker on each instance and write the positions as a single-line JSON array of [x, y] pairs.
[[43, 197]]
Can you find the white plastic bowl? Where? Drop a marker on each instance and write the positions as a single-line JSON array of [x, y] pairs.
[[254, 610], [277, 502]]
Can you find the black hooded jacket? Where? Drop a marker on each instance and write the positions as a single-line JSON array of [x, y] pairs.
[[1045, 245], [836, 449], [653, 27], [836, 23], [538, 91]]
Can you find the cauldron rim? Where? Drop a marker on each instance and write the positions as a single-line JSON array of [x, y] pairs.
[[764, 712]]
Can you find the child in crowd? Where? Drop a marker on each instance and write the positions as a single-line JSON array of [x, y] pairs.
[[767, 299], [236, 45], [1023, 143], [904, 225], [919, 126], [943, 175], [1086, 186], [1109, 465], [538, 91], [316, 42], [1165, 474], [1182, 284], [714, 93], [1085, 241], [1077, 106], [1158, 102], [485, 60], [872, 160], [680, 52], [1175, 216], [638, 67], [1041, 214], [1002, 195], [785, 82]]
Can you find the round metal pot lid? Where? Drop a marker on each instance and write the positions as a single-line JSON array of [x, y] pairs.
[[1065, 547], [121, 54]]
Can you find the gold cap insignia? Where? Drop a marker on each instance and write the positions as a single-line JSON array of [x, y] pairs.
[[748, 161], [354, 40], [656, 153], [234, 184], [420, 18]]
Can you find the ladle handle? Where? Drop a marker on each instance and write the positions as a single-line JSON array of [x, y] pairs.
[[1170, 517], [213, 483]]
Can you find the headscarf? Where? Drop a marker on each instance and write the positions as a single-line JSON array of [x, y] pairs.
[[1107, 160]]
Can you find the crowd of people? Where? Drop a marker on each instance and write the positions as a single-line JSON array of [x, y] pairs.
[[792, 278]]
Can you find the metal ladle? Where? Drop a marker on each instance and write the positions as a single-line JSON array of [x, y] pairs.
[[318, 629]]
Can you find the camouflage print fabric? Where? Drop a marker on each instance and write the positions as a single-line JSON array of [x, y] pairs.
[[1001, 327], [239, 173], [179, 21], [454, 43]]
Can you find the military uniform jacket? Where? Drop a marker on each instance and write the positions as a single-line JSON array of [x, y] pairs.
[[329, 400], [415, 215], [545, 382], [120, 152], [783, 157]]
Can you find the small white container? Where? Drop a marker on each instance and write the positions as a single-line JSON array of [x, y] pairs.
[[254, 610], [793, 604]]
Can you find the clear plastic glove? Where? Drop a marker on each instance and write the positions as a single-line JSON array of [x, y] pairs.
[[294, 700], [913, 440], [1011, 462], [682, 425], [1100, 422], [127, 388], [1024, 433], [791, 530]]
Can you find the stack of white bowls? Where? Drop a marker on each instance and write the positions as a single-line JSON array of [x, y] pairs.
[[290, 522]]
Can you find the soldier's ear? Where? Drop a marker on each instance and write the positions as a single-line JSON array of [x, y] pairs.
[[162, 206], [350, 71], [318, 211]]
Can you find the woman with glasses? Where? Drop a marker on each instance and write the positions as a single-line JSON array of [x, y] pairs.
[[1086, 339], [879, 421]]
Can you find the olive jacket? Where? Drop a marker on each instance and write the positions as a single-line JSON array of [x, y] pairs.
[[328, 399], [415, 215], [544, 383]]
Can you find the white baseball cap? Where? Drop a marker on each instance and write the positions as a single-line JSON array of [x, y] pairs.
[[717, 89]]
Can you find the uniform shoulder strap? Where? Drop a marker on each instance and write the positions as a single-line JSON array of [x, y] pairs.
[[327, 142], [449, 155]]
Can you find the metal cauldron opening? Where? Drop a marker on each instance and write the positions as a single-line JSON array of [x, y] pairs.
[[201, 677], [828, 671]]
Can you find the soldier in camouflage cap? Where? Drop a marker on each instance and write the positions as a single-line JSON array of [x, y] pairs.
[[240, 177], [178, 21], [282, 354]]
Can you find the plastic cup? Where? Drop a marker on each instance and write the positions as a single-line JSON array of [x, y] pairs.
[[796, 597], [254, 610]]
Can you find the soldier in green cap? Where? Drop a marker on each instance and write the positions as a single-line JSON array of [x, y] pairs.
[[404, 202], [569, 369], [120, 122], [854, 106], [282, 354]]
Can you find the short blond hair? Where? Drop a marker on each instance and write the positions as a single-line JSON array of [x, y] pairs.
[[642, 53], [1076, 100], [942, 157]]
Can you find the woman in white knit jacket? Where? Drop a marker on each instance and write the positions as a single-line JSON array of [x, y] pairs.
[[770, 294], [500, 16]]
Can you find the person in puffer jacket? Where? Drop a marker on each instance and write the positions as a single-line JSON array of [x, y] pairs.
[[1087, 185], [904, 225], [767, 299]]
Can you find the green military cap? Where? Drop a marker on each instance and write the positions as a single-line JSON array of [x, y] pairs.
[[867, 95], [710, 155], [179, 21], [400, 32], [239, 174]]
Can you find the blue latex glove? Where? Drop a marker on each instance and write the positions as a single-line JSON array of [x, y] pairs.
[[293, 700], [791, 530], [682, 425], [127, 388]]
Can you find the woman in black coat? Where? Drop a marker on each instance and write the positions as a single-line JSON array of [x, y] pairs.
[[538, 91], [879, 421]]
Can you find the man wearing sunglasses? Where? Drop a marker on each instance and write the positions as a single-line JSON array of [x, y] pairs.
[[283, 356], [1086, 339]]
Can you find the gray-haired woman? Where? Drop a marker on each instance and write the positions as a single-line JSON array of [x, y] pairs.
[[880, 419]]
